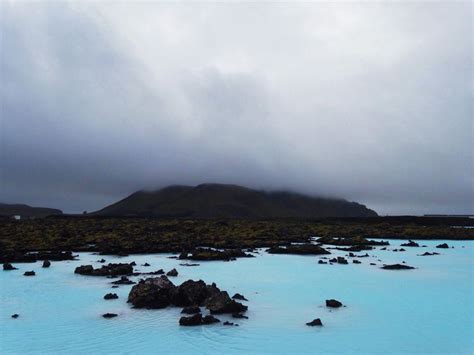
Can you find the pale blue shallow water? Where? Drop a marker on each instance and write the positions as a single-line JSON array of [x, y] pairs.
[[424, 311]]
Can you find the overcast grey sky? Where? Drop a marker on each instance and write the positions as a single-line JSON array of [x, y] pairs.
[[369, 101]]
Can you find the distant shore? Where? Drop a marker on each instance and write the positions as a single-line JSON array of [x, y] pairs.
[[132, 235]]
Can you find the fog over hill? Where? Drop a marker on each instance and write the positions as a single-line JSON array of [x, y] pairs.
[[369, 101], [230, 201]]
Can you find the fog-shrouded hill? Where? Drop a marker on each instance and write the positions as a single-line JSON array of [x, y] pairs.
[[26, 211], [231, 201]]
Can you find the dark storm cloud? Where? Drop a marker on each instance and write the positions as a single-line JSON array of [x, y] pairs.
[[367, 101]]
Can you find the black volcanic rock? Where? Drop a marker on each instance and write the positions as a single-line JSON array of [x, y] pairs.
[[315, 322], [110, 296], [151, 293], [8, 267], [46, 263], [109, 315], [105, 270], [222, 303], [172, 272], [191, 310], [303, 249], [410, 243], [332, 303], [193, 320], [29, 273], [213, 254], [443, 246], [397, 267], [239, 297], [350, 241], [230, 201]]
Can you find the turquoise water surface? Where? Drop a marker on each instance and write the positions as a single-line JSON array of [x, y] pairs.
[[428, 310]]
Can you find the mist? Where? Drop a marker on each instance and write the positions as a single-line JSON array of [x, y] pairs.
[[367, 101]]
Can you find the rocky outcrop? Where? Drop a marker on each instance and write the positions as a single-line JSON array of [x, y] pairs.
[[193, 320], [105, 270], [443, 246], [160, 292], [332, 303], [29, 273], [8, 267], [124, 280], [15, 316], [46, 263], [397, 267], [301, 249], [221, 303], [410, 243], [111, 296], [316, 322], [151, 293], [172, 272]]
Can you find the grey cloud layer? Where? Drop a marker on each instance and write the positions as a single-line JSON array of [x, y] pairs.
[[367, 101]]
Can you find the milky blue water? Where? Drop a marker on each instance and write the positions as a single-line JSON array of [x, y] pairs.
[[424, 311]]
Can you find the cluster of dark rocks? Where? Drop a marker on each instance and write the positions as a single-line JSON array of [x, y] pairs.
[[106, 270], [160, 292], [300, 249]]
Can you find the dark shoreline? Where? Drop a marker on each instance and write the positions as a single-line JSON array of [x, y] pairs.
[[138, 235]]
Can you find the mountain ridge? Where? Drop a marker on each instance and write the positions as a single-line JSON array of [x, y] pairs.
[[27, 211], [211, 200]]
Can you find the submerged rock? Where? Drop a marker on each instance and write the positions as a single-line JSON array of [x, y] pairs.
[[29, 273], [110, 296], [397, 267], [230, 324], [355, 261], [332, 303], [239, 316], [427, 253], [15, 316], [209, 319], [46, 263], [301, 249], [109, 315], [315, 322]]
